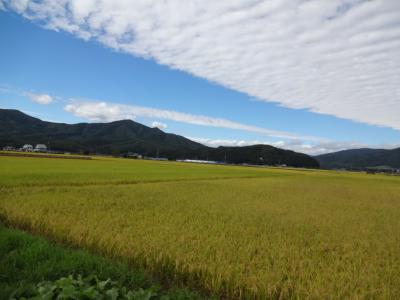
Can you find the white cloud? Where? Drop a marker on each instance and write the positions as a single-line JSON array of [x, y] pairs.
[[100, 111], [294, 145], [39, 98], [224, 142], [337, 57], [159, 125], [18, 5]]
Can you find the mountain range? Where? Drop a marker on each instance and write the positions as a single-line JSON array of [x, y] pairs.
[[357, 159], [121, 137]]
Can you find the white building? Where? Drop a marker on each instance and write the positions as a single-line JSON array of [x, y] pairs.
[[27, 148], [197, 161], [8, 148], [40, 148]]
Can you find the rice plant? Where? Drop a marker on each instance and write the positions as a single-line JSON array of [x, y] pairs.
[[236, 232]]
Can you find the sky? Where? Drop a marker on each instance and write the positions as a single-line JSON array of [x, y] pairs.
[[313, 76]]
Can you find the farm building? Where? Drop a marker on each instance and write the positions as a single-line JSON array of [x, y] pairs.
[[8, 148], [383, 170], [132, 155], [27, 148], [40, 148]]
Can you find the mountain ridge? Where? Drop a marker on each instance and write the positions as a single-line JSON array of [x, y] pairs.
[[360, 158], [123, 136]]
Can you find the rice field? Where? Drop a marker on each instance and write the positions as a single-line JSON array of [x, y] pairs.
[[235, 232]]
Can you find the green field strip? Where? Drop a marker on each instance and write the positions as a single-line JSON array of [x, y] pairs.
[[26, 260]]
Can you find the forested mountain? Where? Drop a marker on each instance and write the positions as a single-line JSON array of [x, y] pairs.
[[17, 128], [360, 158], [262, 154]]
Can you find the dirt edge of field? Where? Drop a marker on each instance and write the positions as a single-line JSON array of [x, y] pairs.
[[13, 154]]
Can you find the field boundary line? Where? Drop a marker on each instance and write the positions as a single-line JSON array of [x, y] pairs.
[[134, 182], [45, 156]]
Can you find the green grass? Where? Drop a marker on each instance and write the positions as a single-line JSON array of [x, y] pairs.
[[26, 260], [238, 232]]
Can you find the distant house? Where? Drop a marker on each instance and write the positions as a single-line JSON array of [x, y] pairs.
[[198, 161], [40, 148], [8, 148], [132, 155], [27, 148], [382, 169]]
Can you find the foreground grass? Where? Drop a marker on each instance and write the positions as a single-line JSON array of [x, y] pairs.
[[253, 233], [26, 260]]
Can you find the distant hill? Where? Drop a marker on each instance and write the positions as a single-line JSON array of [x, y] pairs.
[[360, 158], [17, 128], [262, 154], [119, 137]]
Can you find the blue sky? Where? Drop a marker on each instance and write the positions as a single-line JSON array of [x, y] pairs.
[[78, 74]]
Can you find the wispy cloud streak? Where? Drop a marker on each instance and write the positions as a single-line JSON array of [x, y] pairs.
[[294, 145], [100, 111]]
